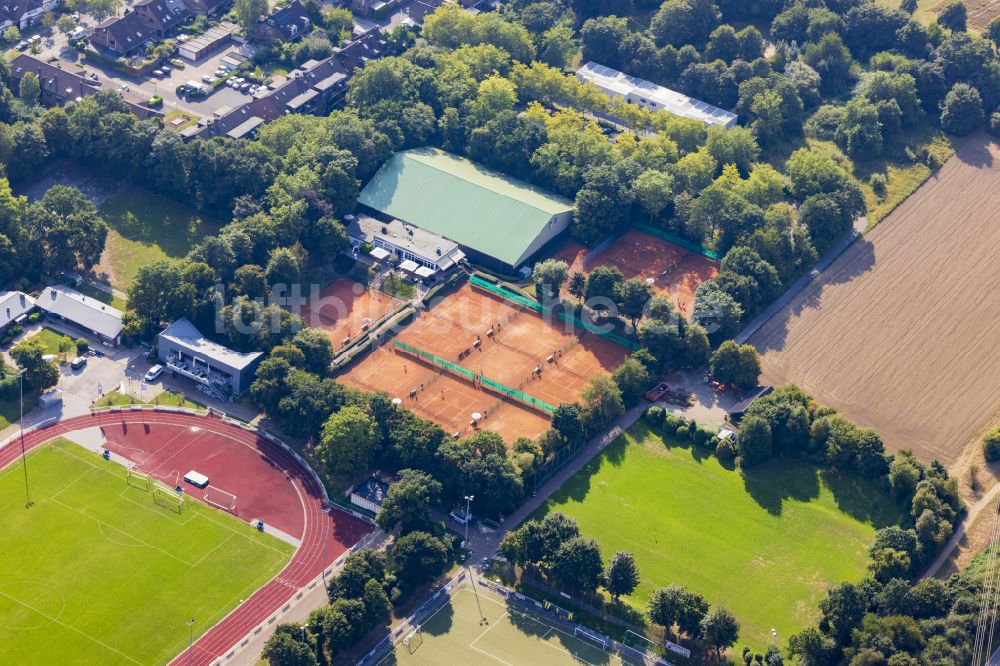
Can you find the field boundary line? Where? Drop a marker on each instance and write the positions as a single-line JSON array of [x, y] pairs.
[[70, 627]]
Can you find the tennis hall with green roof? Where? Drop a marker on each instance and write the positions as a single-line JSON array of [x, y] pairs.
[[499, 222]]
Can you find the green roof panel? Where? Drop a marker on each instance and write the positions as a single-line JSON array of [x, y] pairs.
[[456, 198]]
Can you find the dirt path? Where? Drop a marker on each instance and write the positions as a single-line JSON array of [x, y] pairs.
[[987, 500], [898, 333]]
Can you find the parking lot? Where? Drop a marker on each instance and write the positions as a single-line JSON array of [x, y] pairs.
[[57, 46]]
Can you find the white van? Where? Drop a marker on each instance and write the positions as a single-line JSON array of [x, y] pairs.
[[153, 373]]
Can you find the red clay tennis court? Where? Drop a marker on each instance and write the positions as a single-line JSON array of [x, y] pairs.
[[514, 348], [676, 272], [341, 308]]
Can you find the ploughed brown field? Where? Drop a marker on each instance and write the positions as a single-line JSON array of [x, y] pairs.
[[901, 332]]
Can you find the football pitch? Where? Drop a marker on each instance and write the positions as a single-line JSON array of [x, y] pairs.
[[456, 634], [766, 542], [96, 572]]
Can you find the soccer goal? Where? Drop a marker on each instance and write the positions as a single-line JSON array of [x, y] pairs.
[[220, 499], [137, 479], [594, 637], [413, 640], [168, 499]]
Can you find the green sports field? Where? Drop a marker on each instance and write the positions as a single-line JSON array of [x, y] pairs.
[[766, 544], [95, 572], [455, 635]]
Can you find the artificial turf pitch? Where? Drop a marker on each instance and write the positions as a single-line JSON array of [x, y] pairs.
[[95, 572], [766, 542], [455, 634]]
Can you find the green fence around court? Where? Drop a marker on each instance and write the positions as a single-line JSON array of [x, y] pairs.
[[677, 240], [538, 307], [512, 296], [492, 385]]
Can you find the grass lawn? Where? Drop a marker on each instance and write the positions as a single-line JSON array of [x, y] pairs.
[[99, 573], [144, 228], [903, 174], [179, 120], [168, 398], [767, 544], [454, 634], [101, 295], [399, 288], [10, 411], [51, 339]]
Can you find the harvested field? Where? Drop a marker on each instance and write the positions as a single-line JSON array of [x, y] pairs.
[[340, 308], [676, 272], [521, 342], [899, 332], [979, 12]]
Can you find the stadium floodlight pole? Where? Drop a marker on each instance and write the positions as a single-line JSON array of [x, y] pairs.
[[304, 627], [468, 503], [475, 592], [190, 641], [24, 456]]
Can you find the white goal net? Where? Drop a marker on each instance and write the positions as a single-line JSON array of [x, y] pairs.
[[220, 498]]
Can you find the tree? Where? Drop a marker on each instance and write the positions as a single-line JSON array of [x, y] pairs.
[[720, 629], [67, 230], [962, 110], [733, 146], [908, 6], [716, 311], [621, 575], [418, 557], [568, 422], [282, 649], [577, 564], [754, 441], [549, 276], [953, 16], [316, 348], [738, 365], [889, 563], [831, 59], [674, 605], [348, 441], [632, 379], [842, 611], [993, 32], [284, 267], [811, 647], [29, 89], [604, 400], [11, 35], [577, 285], [66, 23], [632, 297], [654, 192], [602, 286], [38, 372], [409, 500], [248, 13], [680, 22], [101, 9], [991, 445]]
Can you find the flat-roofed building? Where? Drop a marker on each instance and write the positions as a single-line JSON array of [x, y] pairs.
[[652, 96], [406, 242], [84, 312], [183, 349]]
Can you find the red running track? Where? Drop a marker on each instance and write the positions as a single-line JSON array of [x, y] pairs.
[[339, 530]]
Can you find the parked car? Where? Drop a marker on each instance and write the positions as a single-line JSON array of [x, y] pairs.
[[153, 373], [158, 73], [165, 68], [78, 362], [22, 45], [177, 62], [245, 87], [208, 78]]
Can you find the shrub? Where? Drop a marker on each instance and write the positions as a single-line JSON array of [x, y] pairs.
[[34, 317], [82, 346], [682, 432], [671, 423], [654, 416], [995, 123], [9, 388], [879, 182], [724, 451], [991, 444]]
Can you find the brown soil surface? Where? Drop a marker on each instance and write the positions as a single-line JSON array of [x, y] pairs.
[[900, 332]]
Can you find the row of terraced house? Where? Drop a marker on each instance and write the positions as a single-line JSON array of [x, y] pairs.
[[315, 87]]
